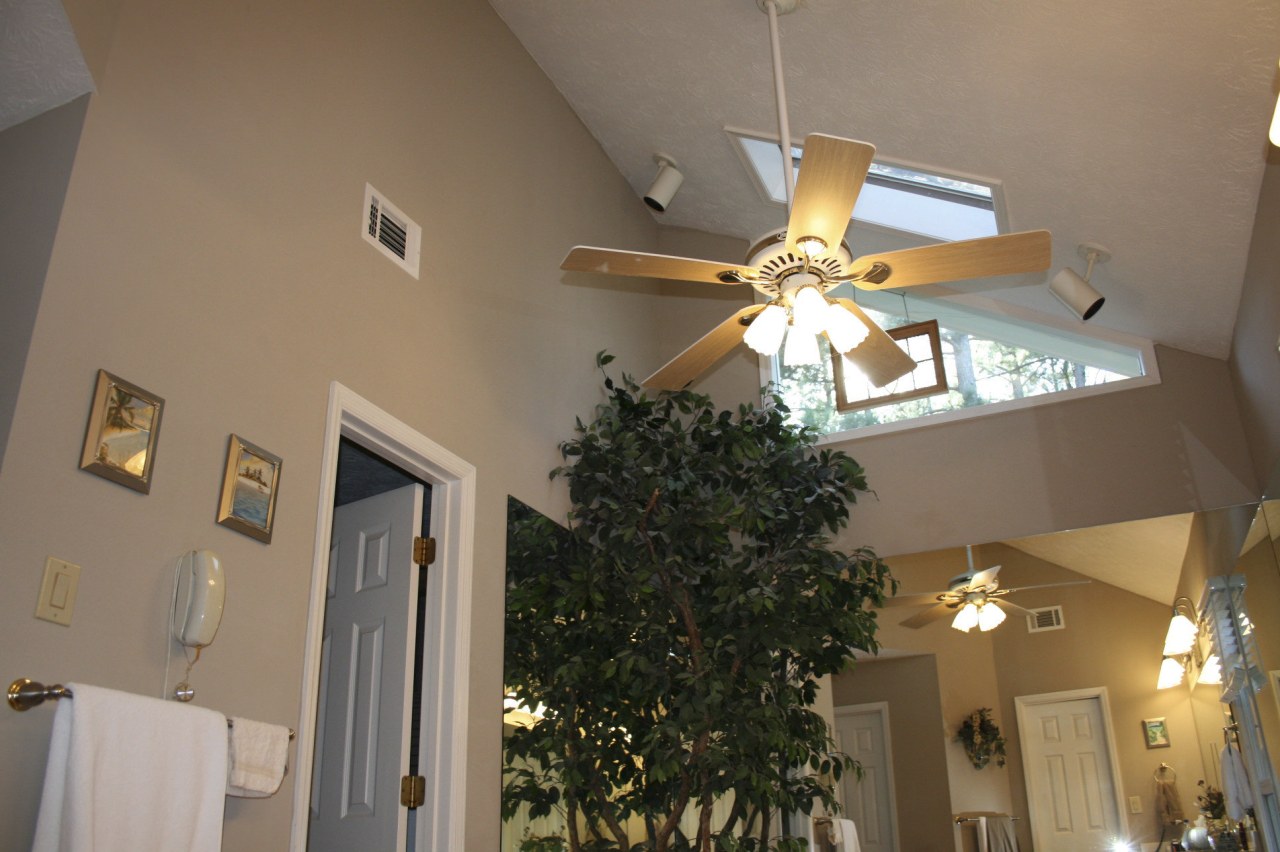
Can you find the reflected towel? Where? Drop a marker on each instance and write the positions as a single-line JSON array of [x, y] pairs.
[[1168, 802], [257, 755], [1000, 834], [844, 835], [1235, 784], [128, 773]]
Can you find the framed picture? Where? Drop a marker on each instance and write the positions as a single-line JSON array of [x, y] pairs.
[[249, 487], [124, 426], [1156, 732]]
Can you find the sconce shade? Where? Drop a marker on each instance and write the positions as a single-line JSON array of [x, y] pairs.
[[990, 616], [1171, 673], [1211, 671], [1076, 293], [966, 619], [1181, 636]]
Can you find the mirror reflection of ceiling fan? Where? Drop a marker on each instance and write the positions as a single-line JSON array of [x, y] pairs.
[[795, 267], [974, 598]]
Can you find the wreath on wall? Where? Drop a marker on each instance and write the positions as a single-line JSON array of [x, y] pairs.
[[981, 738]]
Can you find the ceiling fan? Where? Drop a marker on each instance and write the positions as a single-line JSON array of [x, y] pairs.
[[795, 267], [974, 598]]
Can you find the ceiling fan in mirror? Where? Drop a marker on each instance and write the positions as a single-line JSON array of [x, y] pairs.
[[795, 267]]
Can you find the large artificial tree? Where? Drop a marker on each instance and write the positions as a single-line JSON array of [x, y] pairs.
[[674, 633]]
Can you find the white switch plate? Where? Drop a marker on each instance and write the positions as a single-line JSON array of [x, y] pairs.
[[1135, 804], [58, 591]]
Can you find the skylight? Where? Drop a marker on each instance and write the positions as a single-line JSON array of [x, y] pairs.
[[895, 196]]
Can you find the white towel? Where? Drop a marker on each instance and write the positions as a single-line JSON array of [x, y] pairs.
[[1000, 834], [128, 773], [1236, 792], [844, 834], [257, 755]]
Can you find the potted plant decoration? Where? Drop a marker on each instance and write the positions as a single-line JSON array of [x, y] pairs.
[[981, 738]]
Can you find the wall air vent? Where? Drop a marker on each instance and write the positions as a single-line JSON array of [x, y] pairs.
[[1046, 618], [390, 231]]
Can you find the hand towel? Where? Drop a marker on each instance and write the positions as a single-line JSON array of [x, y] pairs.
[[1000, 834], [257, 754], [844, 835], [1236, 792], [127, 773], [1168, 802]]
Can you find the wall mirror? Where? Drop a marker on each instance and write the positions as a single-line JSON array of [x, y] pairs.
[[1099, 643]]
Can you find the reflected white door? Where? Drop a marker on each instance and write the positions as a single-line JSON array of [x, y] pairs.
[[362, 729], [862, 733], [1070, 779]]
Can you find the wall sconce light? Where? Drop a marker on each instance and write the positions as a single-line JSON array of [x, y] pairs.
[[665, 184], [1075, 292], [1171, 673], [1181, 636]]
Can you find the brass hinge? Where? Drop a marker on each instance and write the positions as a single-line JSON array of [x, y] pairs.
[[413, 791], [424, 551]]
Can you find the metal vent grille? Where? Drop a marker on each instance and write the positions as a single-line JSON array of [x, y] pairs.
[[1046, 618], [394, 234]]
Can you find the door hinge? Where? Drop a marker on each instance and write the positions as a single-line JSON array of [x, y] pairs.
[[413, 791], [424, 551]]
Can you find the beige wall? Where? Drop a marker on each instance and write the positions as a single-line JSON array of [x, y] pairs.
[[208, 250], [1255, 367]]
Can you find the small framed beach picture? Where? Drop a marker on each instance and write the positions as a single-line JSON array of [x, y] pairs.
[[124, 426], [249, 487], [1156, 732]]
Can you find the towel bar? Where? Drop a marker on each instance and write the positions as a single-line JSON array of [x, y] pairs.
[[963, 819], [25, 693]]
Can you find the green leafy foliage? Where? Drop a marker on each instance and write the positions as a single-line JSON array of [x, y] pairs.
[[675, 632]]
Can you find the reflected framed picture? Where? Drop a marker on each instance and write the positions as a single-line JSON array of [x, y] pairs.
[[124, 426], [1156, 732], [250, 484]]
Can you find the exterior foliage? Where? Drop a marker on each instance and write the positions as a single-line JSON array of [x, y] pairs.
[[674, 633], [981, 738]]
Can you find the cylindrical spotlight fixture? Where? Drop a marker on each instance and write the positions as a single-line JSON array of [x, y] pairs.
[[665, 184], [1076, 293]]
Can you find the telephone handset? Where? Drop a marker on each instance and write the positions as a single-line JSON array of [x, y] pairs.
[[199, 592]]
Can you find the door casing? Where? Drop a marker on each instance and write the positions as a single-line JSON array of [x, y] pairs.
[[446, 650]]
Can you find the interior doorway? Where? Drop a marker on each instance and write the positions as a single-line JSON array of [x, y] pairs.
[[862, 732], [439, 822], [1069, 762]]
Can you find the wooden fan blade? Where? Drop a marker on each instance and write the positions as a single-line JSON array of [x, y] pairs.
[[914, 600], [985, 577], [1010, 607], [928, 616], [707, 350], [879, 357], [1007, 254], [639, 264], [1042, 586], [831, 176]]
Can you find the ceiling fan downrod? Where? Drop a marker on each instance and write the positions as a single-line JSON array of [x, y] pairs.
[[774, 8]]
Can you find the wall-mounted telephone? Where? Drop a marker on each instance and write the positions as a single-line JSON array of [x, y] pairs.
[[200, 589]]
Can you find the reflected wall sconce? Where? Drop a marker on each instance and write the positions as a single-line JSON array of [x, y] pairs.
[[1275, 125], [1075, 292], [1179, 640], [665, 184]]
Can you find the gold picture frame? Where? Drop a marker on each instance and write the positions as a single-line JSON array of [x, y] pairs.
[[123, 430], [1156, 732], [250, 483]]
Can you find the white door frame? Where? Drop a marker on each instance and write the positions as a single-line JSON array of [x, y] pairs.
[[880, 708], [1022, 704], [446, 667]]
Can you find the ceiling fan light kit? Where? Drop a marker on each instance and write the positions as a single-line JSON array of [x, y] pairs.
[[665, 184], [1080, 296], [795, 268]]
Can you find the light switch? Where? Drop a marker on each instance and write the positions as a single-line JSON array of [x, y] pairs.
[[58, 591], [1135, 804]]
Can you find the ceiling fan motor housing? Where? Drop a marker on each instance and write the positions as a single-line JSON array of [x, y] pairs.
[[776, 263]]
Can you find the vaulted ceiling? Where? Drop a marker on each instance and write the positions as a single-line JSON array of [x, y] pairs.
[[1140, 125]]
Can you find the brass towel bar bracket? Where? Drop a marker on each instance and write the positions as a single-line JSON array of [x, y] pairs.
[[25, 693]]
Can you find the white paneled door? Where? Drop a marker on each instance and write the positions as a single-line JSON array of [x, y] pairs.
[[1070, 778], [862, 733], [362, 730]]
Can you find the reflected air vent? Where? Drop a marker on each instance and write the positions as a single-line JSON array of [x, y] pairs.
[[1046, 618], [390, 231]]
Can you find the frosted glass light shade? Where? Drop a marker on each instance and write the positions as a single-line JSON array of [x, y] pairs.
[[809, 309], [1171, 672], [1180, 637], [801, 347], [1211, 672], [966, 619], [990, 617], [764, 335], [844, 330]]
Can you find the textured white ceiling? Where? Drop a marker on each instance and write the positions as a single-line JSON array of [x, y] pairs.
[[1138, 125], [40, 62]]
